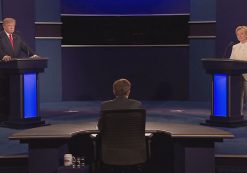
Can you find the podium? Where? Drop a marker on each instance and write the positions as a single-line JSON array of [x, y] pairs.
[[21, 80], [226, 91]]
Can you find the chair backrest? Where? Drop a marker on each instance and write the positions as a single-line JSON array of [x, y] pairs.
[[123, 137]]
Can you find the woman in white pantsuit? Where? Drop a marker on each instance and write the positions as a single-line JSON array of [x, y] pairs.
[[239, 52]]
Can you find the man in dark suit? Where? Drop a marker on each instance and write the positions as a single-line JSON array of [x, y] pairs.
[[121, 89], [11, 44]]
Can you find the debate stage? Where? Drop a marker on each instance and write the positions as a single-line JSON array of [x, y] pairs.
[[157, 111]]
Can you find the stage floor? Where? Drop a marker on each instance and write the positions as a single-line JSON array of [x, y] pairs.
[[161, 111]]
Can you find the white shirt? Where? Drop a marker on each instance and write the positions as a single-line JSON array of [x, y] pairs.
[[239, 51], [7, 34]]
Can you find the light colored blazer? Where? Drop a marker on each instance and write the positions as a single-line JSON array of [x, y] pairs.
[[239, 52]]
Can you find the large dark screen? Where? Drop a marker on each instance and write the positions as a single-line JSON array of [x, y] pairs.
[[125, 30]]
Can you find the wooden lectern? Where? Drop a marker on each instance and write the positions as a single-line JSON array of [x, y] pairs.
[[226, 91], [21, 104]]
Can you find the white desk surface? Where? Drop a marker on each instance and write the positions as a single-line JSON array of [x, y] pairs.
[[174, 130]]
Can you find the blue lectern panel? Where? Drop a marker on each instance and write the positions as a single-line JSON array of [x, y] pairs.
[[30, 95], [220, 95]]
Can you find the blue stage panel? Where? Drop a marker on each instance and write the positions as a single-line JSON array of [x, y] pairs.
[[220, 95], [125, 6], [30, 95]]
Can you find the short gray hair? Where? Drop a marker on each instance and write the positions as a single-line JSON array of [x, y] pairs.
[[121, 87]]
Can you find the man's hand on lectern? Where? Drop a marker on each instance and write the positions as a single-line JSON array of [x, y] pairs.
[[34, 56], [6, 58]]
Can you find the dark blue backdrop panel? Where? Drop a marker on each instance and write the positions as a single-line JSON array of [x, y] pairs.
[[124, 6], [24, 13], [199, 87], [202, 10], [155, 72], [1, 9], [229, 16], [51, 79], [47, 10]]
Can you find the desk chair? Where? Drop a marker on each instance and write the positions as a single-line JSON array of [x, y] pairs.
[[122, 137]]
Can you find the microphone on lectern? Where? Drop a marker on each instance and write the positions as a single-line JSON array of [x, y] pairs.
[[230, 44], [28, 53]]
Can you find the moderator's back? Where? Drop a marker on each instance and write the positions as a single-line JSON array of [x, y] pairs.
[[123, 137]]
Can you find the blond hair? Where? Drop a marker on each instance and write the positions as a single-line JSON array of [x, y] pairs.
[[8, 20], [121, 87], [241, 27]]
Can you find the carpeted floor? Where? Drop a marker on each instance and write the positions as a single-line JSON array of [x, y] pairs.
[[162, 111]]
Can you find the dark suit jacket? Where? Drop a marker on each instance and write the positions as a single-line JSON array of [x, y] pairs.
[[119, 103], [19, 46]]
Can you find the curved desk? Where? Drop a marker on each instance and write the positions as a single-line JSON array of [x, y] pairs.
[[191, 146]]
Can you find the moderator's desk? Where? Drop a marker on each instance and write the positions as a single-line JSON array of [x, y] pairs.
[[192, 146]]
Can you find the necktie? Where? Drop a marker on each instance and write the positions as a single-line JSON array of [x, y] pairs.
[[11, 40]]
